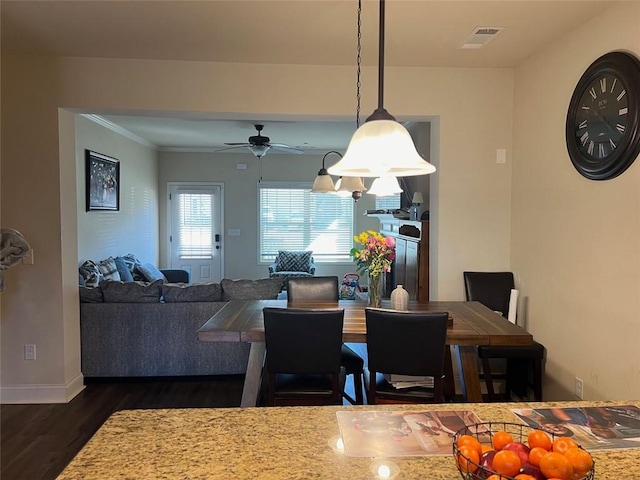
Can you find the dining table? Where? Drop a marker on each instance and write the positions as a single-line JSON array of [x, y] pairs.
[[470, 324]]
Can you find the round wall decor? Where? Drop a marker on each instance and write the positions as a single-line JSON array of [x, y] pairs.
[[603, 119]]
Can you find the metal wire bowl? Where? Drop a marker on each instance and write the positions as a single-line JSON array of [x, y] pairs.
[[484, 433]]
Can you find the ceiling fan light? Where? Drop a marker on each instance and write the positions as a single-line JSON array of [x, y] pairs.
[[323, 183], [259, 150], [381, 147], [385, 186]]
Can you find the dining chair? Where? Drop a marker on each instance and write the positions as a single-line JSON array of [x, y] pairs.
[[405, 346], [303, 356], [300, 289], [523, 368]]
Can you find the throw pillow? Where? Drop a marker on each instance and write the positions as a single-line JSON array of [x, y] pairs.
[[108, 269], [263, 289], [91, 295], [91, 273], [132, 262], [197, 292], [123, 269], [131, 292], [289, 261], [150, 272]]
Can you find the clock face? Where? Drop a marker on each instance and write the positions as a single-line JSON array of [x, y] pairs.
[[603, 119]]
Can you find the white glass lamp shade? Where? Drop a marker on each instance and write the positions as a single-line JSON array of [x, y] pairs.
[[323, 183], [417, 199], [381, 147], [385, 186], [346, 185], [259, 150]]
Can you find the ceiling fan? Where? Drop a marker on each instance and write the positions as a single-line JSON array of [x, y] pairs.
[[260, 145]]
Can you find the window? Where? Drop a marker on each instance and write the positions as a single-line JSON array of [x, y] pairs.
[[391, 202], [293, 218], [195, 225]]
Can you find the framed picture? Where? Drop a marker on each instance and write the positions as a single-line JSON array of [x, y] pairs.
[[102, 182]]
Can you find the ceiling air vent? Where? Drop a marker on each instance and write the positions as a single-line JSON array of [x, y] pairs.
[[480, 37]]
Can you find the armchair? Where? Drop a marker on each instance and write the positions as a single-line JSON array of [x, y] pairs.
[[292, 264]]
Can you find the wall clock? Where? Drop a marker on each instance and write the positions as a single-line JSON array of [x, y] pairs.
[[603, 119]]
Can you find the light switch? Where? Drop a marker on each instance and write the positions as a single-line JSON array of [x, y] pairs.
[[501, 155]]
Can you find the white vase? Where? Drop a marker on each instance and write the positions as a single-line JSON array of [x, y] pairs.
[[400, 298]]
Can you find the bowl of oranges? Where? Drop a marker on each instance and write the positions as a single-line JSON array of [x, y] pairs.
[[511, 451]]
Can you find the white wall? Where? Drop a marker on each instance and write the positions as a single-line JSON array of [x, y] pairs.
[[134, 228], [472, 108], [575, 242], [241, 200]]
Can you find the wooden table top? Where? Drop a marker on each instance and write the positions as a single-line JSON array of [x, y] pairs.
[[473, 323]]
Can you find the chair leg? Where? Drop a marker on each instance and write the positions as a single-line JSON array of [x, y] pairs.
[[488, 379], [358, 386]]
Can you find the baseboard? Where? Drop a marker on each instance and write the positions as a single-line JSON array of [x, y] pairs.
[[41, 393]]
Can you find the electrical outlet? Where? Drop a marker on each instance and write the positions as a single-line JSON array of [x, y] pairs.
[[29, 352], [579, 388]]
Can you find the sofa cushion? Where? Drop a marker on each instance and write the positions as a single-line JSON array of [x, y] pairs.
[[131, 292], [197, 292], [123, 269], [263, 289], [290, 261], [91, 273], [150, 272], [108, 269], [90, 295]]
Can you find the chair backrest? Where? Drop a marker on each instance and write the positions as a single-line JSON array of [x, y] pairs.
[[303, 341], [406, 343], [492, 289], [312, 288]]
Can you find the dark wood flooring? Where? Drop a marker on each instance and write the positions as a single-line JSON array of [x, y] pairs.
[[38, 441]]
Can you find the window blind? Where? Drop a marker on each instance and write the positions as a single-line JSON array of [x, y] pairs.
[[293, 218]]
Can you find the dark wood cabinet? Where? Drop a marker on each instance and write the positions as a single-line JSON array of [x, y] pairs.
[[411, 266]]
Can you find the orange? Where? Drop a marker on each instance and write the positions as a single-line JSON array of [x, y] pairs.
[[466, 456], [495, 476], [535, 454], [556, 465], [580, 460], [500, 439], [562, 444], [507, 462], [486, 448], [538, 438], [524, 476], [470, 441]]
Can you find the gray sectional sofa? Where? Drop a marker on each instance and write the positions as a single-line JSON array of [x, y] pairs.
[[133, 329]]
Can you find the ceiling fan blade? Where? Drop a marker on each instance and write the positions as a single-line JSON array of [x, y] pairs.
[[240, 144], [285, 148]]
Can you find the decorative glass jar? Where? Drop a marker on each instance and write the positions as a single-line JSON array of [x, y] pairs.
[[375, 290]]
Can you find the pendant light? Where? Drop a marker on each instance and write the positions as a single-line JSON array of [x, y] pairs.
[[323, 182], [385, 186], [381, 146], [345, 186]]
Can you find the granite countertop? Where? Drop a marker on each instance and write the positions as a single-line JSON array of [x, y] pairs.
[[281, 443]]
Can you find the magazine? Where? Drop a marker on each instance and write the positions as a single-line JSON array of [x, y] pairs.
[[397, 434], [594, 428]]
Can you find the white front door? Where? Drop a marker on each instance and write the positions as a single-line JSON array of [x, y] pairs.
[[195, 233]]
